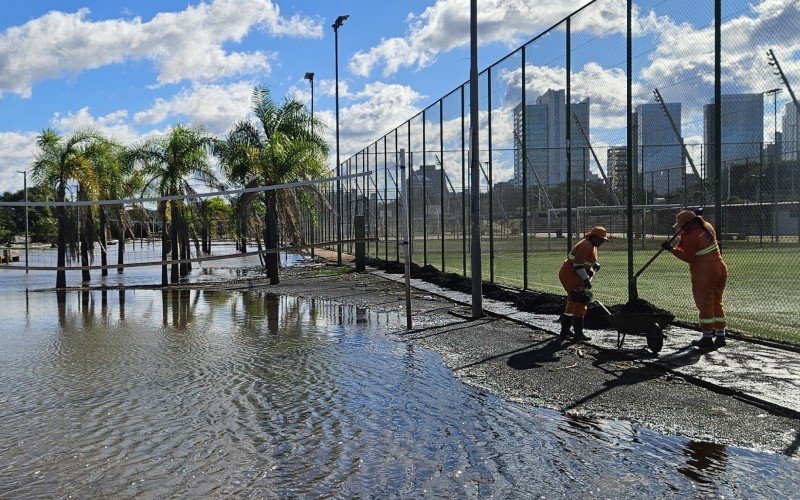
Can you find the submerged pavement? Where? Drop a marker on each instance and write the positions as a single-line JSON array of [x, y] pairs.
[[747, 369], [520, 360]]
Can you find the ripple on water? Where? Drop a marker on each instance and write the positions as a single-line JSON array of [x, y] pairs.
[[218, 393]]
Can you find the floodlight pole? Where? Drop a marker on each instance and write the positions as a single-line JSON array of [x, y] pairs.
[[336, 25], [475, 179], [27, 238], [310, 77]]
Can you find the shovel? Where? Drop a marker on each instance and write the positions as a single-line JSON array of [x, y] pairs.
[[632, 290]]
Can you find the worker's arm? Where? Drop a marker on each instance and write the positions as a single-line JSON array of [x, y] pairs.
[[686, 248], [583, 253]]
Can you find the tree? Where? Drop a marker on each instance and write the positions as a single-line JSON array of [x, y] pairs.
[[170, 165], [283, 145], [59, 161]]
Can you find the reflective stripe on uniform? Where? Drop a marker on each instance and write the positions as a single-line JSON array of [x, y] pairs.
[[720, 320], [707, 250], [707, 320], [570, 256]]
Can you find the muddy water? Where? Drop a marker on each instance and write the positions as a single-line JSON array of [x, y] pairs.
[[196, 393]]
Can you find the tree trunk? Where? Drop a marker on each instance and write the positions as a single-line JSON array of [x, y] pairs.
[[271, 236], [162, 208], [243, 233], [103, 241], [61, 274], [121, 241], [173, 232], [84, 238]]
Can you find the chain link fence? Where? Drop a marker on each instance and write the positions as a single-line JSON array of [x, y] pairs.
[[557, 158]]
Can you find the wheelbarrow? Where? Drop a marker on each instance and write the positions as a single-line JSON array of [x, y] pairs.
[[650, 325]]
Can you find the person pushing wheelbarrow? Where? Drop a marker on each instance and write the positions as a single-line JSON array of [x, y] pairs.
[[698, 246], [576, 277]]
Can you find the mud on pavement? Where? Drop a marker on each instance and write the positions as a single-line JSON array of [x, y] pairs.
[[534, 367]]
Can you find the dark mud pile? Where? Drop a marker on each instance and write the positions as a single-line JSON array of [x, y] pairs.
[[524, 300]]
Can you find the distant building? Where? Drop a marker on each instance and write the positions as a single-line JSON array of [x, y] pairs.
[[545, 139], [658, 147], [617, 166], [742, 130], [773, 150]]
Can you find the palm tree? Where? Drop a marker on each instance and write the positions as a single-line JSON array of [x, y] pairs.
[[59, 161], [116, 179], [283, 145], [170, 165]]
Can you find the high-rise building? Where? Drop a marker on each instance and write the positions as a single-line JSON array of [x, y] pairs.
[[546, 138], [617, 166], [535, 138], [742, 130], [791, 133], [659, 155]]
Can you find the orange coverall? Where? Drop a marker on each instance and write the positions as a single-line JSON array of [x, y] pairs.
[[583, 253], [699, 248]]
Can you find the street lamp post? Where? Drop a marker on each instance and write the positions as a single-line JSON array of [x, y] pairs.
[[336, 25], [310, 77], [27, 239]]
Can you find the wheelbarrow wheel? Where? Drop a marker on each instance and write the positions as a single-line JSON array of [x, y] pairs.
[[655, 339]]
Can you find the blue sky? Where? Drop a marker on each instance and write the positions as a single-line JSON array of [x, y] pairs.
[[132, 69]]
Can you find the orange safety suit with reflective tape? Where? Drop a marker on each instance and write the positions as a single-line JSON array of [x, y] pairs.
[[583, 254], [698, 246]]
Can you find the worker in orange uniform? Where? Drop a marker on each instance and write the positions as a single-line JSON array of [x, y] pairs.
[[576, 277], [698, 246]]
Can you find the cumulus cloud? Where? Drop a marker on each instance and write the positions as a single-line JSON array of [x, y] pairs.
[[366, 114], [214, 107], [186, 45], [445, 26], [17, 150]]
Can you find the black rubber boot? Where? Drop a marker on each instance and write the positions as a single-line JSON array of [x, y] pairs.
[[566, 322], [719, 341], [577, 326], [705, 343]]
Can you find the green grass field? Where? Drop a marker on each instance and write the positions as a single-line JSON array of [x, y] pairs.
[[761, 298]]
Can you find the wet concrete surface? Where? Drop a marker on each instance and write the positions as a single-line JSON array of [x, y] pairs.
[[532, 366]]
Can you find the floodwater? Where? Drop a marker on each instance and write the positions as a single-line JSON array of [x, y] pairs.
[[152, 394]]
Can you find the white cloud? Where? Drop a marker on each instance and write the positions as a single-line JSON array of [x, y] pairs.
[[374, 110], [215, 107], [182, 45], [17, 150], [445, 26], [113, 125]]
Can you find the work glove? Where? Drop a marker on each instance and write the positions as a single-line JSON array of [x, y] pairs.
[[596, 267], [587, 284], [667, 246]]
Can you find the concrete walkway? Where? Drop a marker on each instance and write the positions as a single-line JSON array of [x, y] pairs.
[[747, 370]]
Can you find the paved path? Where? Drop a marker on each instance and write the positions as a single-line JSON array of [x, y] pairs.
[[752, 371]]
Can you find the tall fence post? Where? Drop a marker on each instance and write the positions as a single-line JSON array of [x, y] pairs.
[[629, 146], [477, 286], [405, 237], [524, 154], [359, 221], [568, 134], [718, 117]]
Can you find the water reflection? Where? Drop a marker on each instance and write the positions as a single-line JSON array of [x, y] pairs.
[[160, 393], [704, 462]]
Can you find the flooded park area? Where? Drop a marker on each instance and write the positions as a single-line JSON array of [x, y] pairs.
[[235, 390]]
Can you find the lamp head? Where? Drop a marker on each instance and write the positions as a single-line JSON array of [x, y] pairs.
[[309, 77], [339, 21]]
